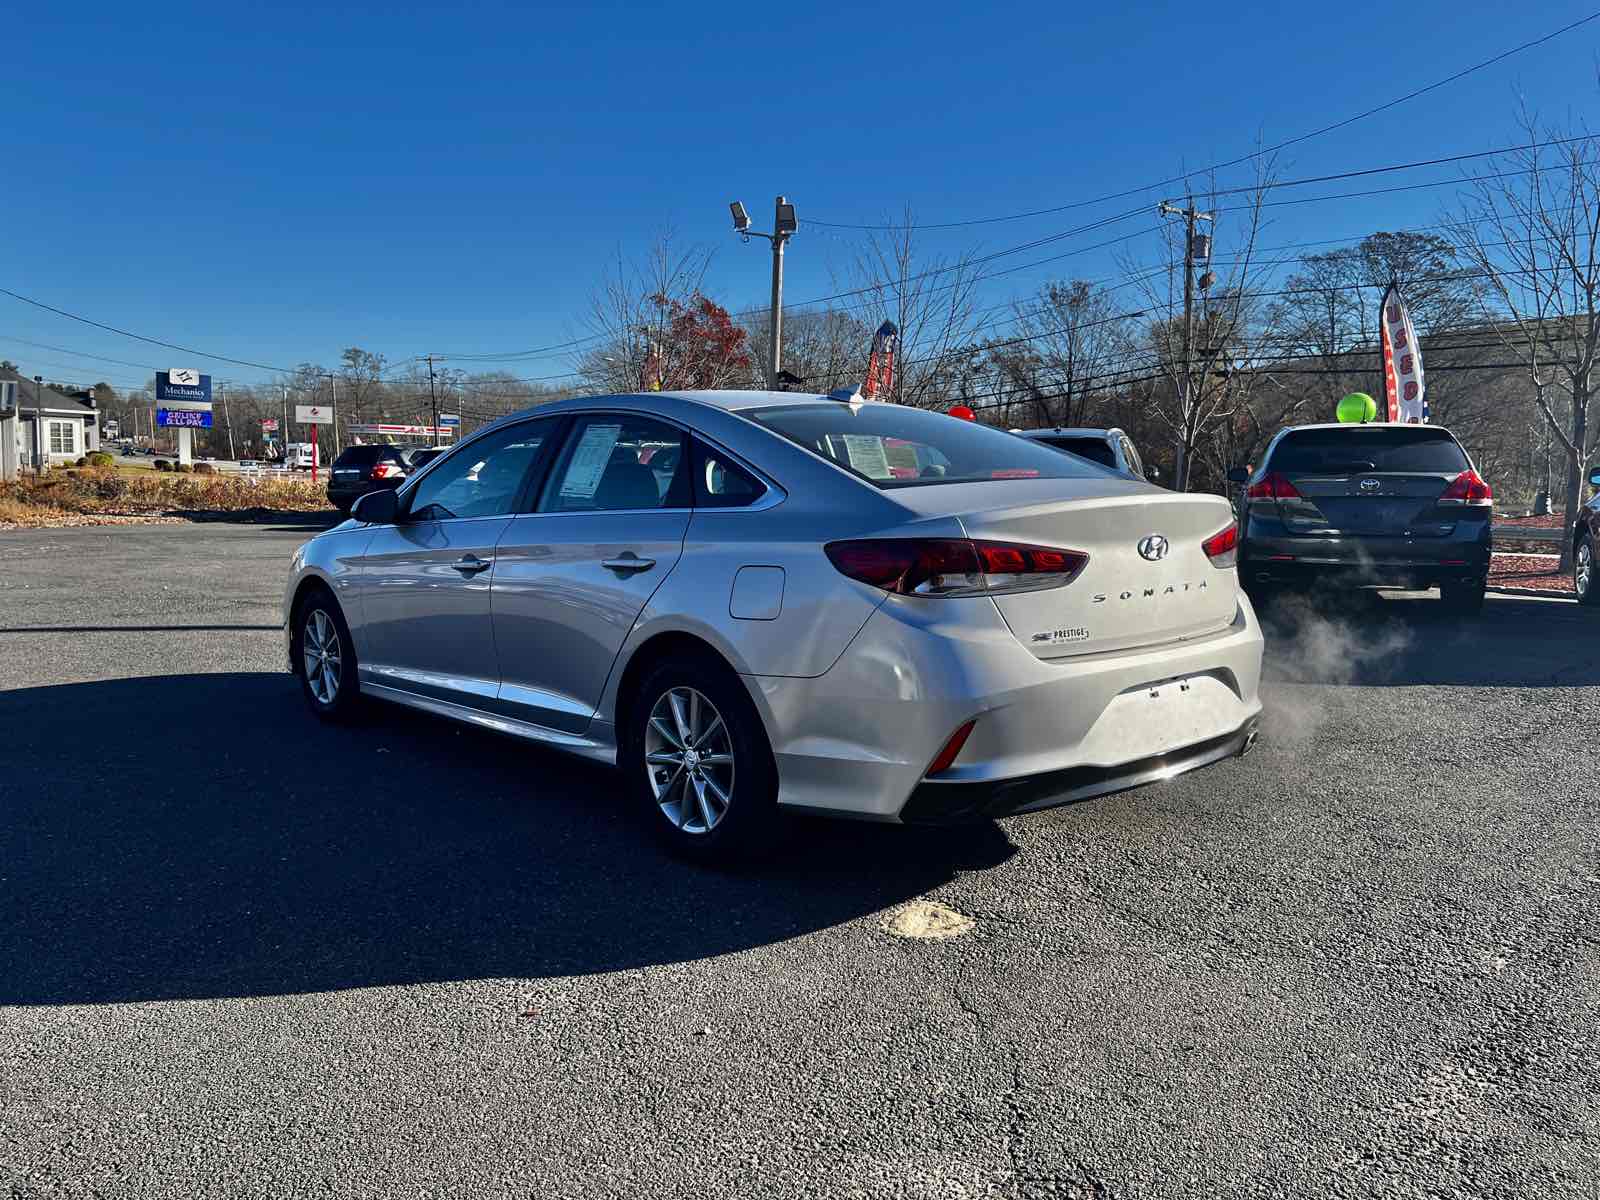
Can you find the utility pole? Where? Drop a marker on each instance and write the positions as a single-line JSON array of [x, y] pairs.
[[433, 398], [784, 225], [283, 432], [1180, 474], [40, 464], [222, 394]]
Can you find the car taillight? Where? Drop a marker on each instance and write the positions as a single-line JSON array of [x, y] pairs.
[[1467, 488], [1223, 548], [385, 470], [1272, 486], [953, 566]]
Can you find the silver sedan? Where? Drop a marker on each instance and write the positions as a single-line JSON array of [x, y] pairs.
[[751, 602]]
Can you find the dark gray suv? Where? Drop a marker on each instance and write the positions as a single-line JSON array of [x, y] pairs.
[[1353, 506]]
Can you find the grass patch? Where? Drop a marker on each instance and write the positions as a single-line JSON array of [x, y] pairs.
[[111, 493]]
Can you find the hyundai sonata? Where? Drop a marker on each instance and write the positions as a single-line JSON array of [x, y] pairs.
[[753, 601]]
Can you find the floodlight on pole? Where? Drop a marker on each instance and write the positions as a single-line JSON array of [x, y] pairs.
[[784, 224]]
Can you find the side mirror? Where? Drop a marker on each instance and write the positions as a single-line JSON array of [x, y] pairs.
[[1153, 473], [1594, 475], [377, 508], [1238, 474]]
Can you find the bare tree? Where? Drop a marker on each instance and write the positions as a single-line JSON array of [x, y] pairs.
[[1067, 337], [632, 308], [1233, 335], [1534, 232], [826, 348], [932, 300]]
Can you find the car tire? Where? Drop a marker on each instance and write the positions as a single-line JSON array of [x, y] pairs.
[[692, 709], [1586, 571], [1463, 595], [328, 675]]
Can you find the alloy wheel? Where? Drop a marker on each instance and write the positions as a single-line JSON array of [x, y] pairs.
[[323, 657], [1583, 569], [688, 758]]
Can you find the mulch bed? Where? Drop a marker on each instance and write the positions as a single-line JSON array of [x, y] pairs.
[[1535, 572]]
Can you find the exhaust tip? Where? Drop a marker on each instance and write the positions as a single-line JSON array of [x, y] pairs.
[[1249, 742]]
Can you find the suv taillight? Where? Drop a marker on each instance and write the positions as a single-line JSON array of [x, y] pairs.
[[386, 470], [954, 566], [1468, 488], [1223, 548], [1272, 486]]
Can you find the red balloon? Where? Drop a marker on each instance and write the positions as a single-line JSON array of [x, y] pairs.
[[963, 412]]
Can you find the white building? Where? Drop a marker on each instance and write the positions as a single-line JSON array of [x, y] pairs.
[[68, 426]]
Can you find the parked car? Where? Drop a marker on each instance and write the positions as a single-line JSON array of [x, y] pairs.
[[778, 620], [363, 469], [422, 456], [1586, 545], [1360, 506], [1109, 447]]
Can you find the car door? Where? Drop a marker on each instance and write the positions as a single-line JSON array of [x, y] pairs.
[[425, 581], [572, 576]]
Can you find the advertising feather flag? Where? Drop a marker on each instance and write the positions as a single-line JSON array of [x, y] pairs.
[[1405, 389], [880, 365]]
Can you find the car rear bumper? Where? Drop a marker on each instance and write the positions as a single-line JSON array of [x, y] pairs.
[[1355, 562], [859, 739]]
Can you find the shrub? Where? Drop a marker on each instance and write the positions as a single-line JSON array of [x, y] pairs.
[[162, 464], [82, 462], [101, 459], [204, 469], [183, 468]]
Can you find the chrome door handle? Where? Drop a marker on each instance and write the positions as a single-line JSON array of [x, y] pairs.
[[628, 561], [472, 564]]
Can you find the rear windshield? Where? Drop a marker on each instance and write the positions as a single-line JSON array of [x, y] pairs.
[[893, 446], [1368, 448], [365, 456], [1094, 449]]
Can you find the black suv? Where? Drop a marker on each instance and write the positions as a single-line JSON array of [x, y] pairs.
[[1366, 506], [363, 469], [1586, 545]]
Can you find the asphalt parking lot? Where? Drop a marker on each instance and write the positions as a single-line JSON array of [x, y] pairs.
[[244, 954]]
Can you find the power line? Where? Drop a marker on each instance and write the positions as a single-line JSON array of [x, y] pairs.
[[1244, 158]]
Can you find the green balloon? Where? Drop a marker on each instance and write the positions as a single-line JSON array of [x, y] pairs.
[[1357, 407]]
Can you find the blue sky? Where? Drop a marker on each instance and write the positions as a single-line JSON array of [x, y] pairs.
[[274, 183]]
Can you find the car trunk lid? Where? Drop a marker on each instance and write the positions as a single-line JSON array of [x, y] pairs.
[[1147, 581]]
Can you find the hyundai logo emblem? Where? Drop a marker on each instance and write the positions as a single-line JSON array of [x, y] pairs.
[[1153, 547], [1370, 485]]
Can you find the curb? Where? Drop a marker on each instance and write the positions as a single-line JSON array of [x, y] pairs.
[[1531, 593]]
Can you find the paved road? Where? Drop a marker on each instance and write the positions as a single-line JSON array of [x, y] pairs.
[[242, 954]]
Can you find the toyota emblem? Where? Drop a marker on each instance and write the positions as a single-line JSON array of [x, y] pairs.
[[1153, 547], [1370, 485]]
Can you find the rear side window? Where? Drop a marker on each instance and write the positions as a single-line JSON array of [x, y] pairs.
[[892, 446], [719, 482], [1094, 449], [1368, 448]]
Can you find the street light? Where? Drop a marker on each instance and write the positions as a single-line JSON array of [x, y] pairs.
[[784, 224]]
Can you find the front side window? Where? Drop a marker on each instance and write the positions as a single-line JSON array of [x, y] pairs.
[[483, 478], [63, 437], [618, 461], [894, 446]]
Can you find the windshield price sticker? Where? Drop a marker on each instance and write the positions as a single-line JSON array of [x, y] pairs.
[[867, 455]]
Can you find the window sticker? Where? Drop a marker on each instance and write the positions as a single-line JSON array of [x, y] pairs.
[[867, 454], [589, 460]]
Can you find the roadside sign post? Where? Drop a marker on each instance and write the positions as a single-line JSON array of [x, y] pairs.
[[314, 415], [184, 399]]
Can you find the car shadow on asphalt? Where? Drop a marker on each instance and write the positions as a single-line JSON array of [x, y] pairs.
[[201, 835], [1377, 639]]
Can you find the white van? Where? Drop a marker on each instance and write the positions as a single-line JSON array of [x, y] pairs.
[[297, 456]]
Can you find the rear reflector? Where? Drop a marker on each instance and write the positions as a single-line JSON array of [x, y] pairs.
[[1272, 486], [952, 748], [1468, 488], [954, 566], [1223, 548]]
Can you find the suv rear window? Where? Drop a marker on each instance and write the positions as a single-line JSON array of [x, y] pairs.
[[1368, 448], [366, 456], [1094, 449], [893, 446]]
